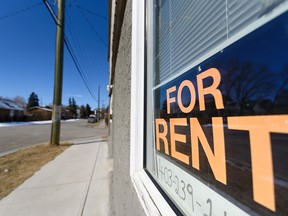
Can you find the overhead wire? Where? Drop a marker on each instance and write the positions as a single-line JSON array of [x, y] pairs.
[[92, 27], [83, 56], [75, 40], [91, 48], [91, 44], [66, 41], [72, 54], [20, 11], [51, 12], [91, 12], [87, 58]]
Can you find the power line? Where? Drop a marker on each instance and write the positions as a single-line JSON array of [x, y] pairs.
[[20, 11], [66, 41], [81, 55], [75, 40], [86, 56], [92, 27], [91, 12], [51, 12], [71, 52]]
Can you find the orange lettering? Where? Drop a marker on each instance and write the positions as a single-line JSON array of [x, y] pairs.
[[162, 135], [259, 128], [217, 160], [191, 88], [170, 100], [178, 137], [215, 74]]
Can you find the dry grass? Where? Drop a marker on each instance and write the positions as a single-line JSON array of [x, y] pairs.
[[16, 167], [104, 136]]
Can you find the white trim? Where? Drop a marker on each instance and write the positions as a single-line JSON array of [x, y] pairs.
[[137, 87], [151, 199], [258, 23], [111, 39]]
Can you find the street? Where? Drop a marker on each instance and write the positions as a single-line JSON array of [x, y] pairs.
[[13, 138]]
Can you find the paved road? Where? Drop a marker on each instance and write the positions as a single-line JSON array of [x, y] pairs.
[[13, 138]]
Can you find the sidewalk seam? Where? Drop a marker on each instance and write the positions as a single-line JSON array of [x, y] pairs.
[[48, 186], [88, 188]]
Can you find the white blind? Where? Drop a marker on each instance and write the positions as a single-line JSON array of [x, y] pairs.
[[188, 29]]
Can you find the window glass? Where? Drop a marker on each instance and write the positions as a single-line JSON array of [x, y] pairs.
[[217, 131], [188, 29]]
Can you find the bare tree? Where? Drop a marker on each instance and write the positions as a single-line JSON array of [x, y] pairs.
[[20, 101], [283, 79], [244, 82]]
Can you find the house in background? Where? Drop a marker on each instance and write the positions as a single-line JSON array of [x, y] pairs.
[[38, 114], [10, 111]]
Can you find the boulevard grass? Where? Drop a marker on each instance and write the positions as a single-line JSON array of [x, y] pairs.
[[16, 167]]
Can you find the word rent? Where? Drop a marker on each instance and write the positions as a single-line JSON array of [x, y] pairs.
[[259, 128]]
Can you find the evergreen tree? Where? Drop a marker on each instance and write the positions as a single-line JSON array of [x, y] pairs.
[[88, 110], [33, 100], [82, 111], [72, 107], [70, 102]]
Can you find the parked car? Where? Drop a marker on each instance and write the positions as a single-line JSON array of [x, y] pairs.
[[92, 119]]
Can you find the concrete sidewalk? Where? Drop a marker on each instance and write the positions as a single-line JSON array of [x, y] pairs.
[[74, 183]]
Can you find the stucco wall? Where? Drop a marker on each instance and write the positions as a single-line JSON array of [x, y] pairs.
[[124, 198]]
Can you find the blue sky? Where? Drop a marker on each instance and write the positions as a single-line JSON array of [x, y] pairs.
[[27, 50]]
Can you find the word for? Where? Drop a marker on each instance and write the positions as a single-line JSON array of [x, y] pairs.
[[259, 128], [211, 90]]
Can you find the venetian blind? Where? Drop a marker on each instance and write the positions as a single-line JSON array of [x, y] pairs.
[[188, 29]]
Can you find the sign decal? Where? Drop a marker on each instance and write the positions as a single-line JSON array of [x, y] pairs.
[[227, 125]]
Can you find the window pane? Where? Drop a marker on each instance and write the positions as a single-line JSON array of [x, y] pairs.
[[216, 132], [189, 29]]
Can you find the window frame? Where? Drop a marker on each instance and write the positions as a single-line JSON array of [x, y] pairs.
[[151, 199]]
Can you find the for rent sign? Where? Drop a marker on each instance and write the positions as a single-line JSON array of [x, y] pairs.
[[259, 128], [227, 125]]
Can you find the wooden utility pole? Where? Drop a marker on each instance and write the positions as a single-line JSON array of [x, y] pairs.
[[58, 79], [98, 116]]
